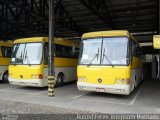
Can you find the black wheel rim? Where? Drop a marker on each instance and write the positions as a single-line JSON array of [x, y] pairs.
[[5, 77]]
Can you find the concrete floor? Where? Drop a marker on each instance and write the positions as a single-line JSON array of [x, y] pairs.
[[145, 99]]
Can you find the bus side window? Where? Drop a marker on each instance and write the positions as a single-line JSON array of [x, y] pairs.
[[6, 51], [9, 51], [66, 51], [76, 53], [3, 51], [69, 52], [58, 51], [136, 51], [140, 53], [63, 51], [133, 49], [46, 50]]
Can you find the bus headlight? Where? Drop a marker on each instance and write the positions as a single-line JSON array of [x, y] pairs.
[[34, 76], [37, 76], [81, 79], [10, 75], [122, 81]]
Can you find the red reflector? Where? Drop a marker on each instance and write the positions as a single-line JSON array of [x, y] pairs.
[[40, 76]]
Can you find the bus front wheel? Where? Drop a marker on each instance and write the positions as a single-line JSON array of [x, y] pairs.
[[59, 80], [5, 77]]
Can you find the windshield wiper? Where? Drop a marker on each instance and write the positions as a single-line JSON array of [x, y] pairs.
[[26, 57], [96, 55], [105, 56]]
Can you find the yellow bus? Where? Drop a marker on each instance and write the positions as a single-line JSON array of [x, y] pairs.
[[109, 61], [5, 55], [29, 62]]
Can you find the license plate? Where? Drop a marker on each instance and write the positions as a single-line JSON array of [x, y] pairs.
[[100, 89]]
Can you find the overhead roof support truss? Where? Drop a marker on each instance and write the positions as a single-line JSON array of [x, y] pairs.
[[99, 8], [30, 17]]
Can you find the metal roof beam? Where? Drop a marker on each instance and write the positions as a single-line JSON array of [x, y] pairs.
[[72, 23], [130, 9], [99, 8], [132, 3]]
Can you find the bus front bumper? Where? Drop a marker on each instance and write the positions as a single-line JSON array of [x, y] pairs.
[[114, 89], [28, 82]]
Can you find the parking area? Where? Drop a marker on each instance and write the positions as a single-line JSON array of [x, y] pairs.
[[145, 99]]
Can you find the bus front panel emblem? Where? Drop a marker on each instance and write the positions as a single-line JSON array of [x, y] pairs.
[[21, 76], [99, 80]]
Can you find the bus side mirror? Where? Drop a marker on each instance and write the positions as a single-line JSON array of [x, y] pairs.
[[128, 60], [45, 61]]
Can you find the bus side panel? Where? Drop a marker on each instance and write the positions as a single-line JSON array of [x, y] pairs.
[[67, 66], [4, 62], [136, 70], [70, 73], [65, 62], [45, 75], [3, 69]]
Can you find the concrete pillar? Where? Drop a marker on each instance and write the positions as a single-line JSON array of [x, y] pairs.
[[51, 50]]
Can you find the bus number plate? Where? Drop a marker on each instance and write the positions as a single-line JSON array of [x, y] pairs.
[[100, 89]]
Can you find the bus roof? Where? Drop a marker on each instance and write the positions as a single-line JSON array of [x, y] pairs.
[[6, 43], [44, 39], [110, 33]]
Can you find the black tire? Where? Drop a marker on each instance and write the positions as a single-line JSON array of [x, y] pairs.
[[135, 84], [5, 77], [59, 80]]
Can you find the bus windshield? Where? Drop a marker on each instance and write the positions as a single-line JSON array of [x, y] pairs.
[[108, 51], [27, 53]]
